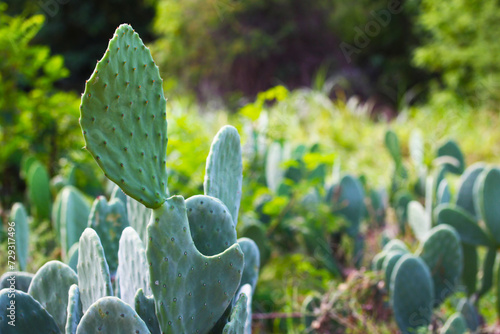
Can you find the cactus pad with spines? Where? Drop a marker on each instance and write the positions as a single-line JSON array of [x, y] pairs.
[[73, 257], [111, 315], [109, 220], [123, 118], [133, 268], [191, 290], [139, 216], [74, 310], [223, 173], [30, 316], [145, 308], [19, 216], [21, 279], [442, 252], [50, 287], [487, 193], [93, 272], [211, 224], [238, 318], [412, 293]]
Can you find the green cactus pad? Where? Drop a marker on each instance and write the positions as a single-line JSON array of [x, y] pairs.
[[248, 291], [347, 199], [145, 308], [191, 290], [223, 173], [74, 310], [401, 200], [416, 146], [20, 280], [396, 244], [464, 224], [469, 313], [19, 216], [118, 193], [276, 155], [238, 318], [123, 118], [392, 145], [111, 315], [465, 195], [487, 193], [93, 271], [50, 288], [378, 261], [252, 262], [442, 252], [29, 315], [488, 266], [418, 220], [443, 192], [450, 155], [257, 233], [211, 225], [109, 220], [412, 293], [72, 221], [133, 268], [138, 217], [73, 257], [455, 325], [39, 190], [390, 261], [469, 274]]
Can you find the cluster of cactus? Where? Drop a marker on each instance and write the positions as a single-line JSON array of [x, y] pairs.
[[178, 267]]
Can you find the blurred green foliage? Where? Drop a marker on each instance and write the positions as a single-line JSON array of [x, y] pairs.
[[462, 43]]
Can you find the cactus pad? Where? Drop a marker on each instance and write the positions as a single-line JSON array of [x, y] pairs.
[[465, 195], [93, 271], [50, 288], [455, 325], [133, 268], [18, 215], [30, 316], [451, 156], [487, 193], [39, 190], [145, 308], [22, 280], [418, 220], [111, 315], [138, 217], [238, 318], [74, 310], [252, 262], [123, 118], [223, 173], [191, 290]]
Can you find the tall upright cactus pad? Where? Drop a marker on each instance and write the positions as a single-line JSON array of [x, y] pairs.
[[191, 290], [109, 220], [74, 310], [19, 216], [39, 190], [238, 318], [276, 155], [451, 156], [50, 288], [111, 315], [123, 118], [469, 313], [20, 280], [93, 272], [347, 199], [487, 195], [416, 145], [29, 315], [212, 228], [412, 293], [138, 217], [133, 268], [252, 262], [223, 173], [465, 194], [72, 258], [471, 268], [390, 261], [442, 252], [393, 146], [73, 217], [145, 308], [418, 220], [248, 291]]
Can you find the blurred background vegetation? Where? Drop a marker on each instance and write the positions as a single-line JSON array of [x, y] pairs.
[[330, 73]]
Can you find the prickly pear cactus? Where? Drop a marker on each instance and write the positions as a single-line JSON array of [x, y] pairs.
[[123, 118], [223, 173], [39, 190], [276, 155], [73, 257], [238, 318], [412, 293], [139, 216], [29, 315], [50, 287], [390, 261], [73, 217], [145, 308], [450, 155], [252, 262], [487, 193], [442, 252], [109, 220], [469, 313], [465, 194], [111, 315], [455, 325], [19, 216], [74, 310], [248, 291], [191, 290], [21, 280], [418, 220], [133, 267], [93, 272], [471, 268]]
